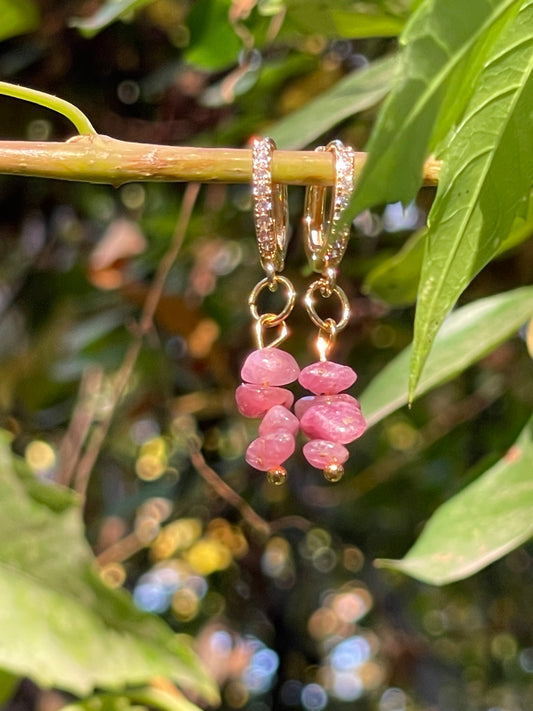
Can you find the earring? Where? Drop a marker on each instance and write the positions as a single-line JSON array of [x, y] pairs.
[[330, 418], [267, 368]]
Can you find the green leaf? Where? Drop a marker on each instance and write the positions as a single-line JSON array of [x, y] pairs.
[[18, 17], [358, 91], [340, 19], [395, 280], [367, 24], [438, 39], [474, 208], [214, 45], [108, 13], [59, 624], [486, 520], [468, 334]]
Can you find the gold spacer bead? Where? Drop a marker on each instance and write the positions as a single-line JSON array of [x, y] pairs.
[[277, 476], [334, 472]]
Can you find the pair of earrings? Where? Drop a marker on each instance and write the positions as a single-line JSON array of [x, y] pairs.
[[329, 418]]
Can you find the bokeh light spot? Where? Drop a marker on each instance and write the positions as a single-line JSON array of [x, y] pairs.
[[213, 604], [144, 430], [236, 694], [324, 559], [39, 130], [322, 623], [393, 699], [314, 697], [350, 653], [503, 646], [526, 660], [133, 196], [347, 686], [352, 559], [146, 529], [291, 692], [151, 597], [276, 557], [396, 217], [206, 556], [351, 606], [221, 643], [149, 467], [185, 604], [113, 574], [128, 91], [402, 436], [40, 456]]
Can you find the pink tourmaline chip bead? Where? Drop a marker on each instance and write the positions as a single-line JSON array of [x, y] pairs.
[[270, 451], [304, 403], [256, 400], [269, 366], [279, 418], [321, 453], [336, 422], [326, 377]]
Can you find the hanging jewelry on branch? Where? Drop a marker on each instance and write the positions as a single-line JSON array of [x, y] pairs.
[[267, 368], [330, 418]]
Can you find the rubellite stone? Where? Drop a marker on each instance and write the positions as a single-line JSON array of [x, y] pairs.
[[321, 453], [269, 366], [279, 418], [256, 400], [326, 377], [336, 422], [270, 451], [304, 403]]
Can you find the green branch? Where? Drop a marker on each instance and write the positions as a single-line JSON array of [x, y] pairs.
[[60, 106], [100, 159]]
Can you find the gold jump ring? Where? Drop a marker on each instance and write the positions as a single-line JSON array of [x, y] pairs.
[[326, 325], [266, 283]]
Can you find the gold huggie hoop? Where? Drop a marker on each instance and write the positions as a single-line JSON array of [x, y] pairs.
[[324, 248], [271, 211], [325, 244], [327, 324]]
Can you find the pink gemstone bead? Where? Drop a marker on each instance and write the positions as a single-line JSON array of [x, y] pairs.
[[279, 418], [270, 451], [256, 400], [304, 403], [270, 366], [325, 378], [336, 422], [320, 453]]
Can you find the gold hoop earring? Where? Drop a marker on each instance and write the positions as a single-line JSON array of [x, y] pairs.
[[330, 418], [267, 368]]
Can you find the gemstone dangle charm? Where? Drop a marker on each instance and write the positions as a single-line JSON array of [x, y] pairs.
[[330, 418], [267, 369]]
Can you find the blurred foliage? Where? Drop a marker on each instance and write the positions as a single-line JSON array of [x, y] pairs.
[[51, 590], [485, 520], [275, 589]]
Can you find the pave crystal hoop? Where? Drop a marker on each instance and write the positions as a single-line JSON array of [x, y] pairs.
[[325, 242], [267, 368], [330, 418], [270, 208]]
